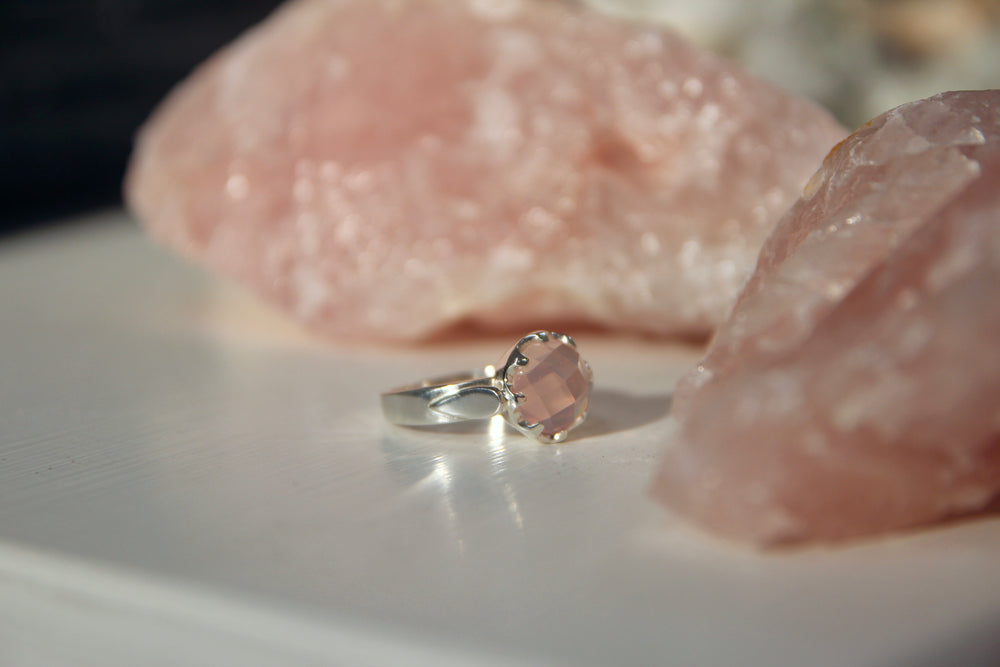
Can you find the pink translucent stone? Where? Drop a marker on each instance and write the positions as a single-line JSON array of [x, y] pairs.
[[386, 169], [555, 384], [854, 390]]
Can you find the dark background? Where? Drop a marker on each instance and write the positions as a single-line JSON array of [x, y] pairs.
[[78, 78]]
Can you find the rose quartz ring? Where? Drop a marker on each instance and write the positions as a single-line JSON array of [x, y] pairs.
[[542, 388]]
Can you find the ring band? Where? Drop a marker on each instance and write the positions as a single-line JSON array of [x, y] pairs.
[[542, 388]]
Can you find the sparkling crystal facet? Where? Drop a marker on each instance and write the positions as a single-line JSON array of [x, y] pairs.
[[555, 384]]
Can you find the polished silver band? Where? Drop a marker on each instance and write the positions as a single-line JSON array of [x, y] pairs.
[[444, 400], [494, 390]]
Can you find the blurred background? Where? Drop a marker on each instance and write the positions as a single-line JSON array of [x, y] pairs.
[[78, 78]]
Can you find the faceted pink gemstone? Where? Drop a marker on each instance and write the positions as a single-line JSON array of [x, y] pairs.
[[555, 384]]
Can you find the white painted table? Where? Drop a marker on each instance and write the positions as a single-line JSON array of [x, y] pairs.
[[187, 479]]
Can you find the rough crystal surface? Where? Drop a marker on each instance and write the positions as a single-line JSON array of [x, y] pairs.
[[555, 384], [854, 390], [386, 168]]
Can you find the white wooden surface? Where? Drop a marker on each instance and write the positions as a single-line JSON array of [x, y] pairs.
[[187, 479]]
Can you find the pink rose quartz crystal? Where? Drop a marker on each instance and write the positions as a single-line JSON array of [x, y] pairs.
[[856, 387], [387, 168]]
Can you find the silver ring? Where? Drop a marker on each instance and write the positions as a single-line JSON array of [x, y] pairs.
[[542, 388]]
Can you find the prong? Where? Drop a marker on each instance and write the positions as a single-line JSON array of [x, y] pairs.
[[524, 426], [542, 335], [521, 360], [535, 431], [566, 339], [552, 439]]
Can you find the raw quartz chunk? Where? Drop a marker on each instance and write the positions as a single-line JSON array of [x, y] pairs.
[[856, 387], [387, 168]]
